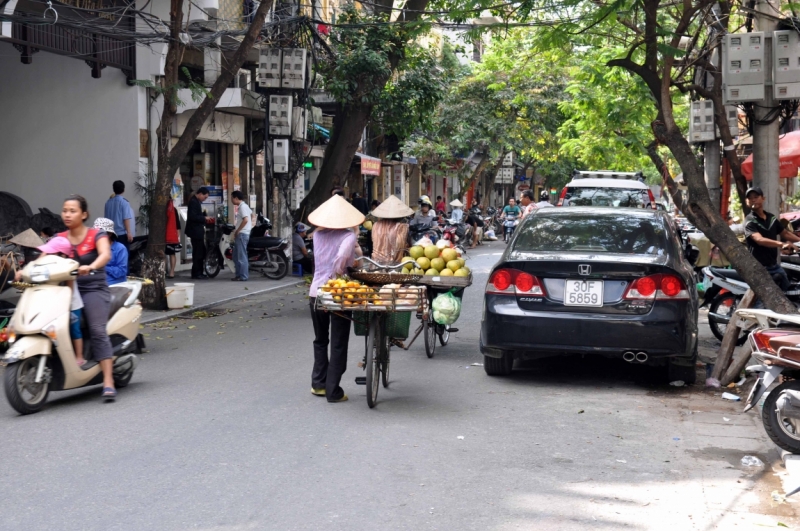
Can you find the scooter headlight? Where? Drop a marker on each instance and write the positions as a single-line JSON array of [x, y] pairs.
[[12, 335], [40, 273]]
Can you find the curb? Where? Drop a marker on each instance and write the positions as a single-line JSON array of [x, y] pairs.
[[177, 313]]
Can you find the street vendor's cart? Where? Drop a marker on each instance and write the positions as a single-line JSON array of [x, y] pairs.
[[382, 315]]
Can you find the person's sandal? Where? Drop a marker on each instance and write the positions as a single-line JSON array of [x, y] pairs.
[[318, 392], [343, 399], [109, 394]]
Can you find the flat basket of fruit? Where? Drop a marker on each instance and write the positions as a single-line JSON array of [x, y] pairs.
[[351, 295]]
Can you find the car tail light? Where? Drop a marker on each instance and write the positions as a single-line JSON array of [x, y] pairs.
[[514, 282], [760, 339], [652, 199], [661, 287], [561, 197]]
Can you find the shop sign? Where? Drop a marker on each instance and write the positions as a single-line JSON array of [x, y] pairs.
[[370, 166]]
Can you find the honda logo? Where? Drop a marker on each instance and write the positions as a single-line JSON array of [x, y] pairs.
[[585, 269]]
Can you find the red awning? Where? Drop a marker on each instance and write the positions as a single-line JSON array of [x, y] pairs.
[[789, 156]]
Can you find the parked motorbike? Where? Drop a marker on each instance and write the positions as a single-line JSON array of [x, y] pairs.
[[509, 225], [419, 230], [265, 254], [776, 346], [724, 289], [40, 357], [460, 233]]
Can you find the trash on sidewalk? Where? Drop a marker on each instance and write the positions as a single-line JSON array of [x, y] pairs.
[[751, 460], [460, 437], [726, 419], [712, 382], [677, 383], [621, 461], [731, 396]]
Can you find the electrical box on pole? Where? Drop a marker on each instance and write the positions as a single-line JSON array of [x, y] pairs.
[[280, 115], [743, 69], [701, 126], [299, 124], [732, 112], [269, 68], [294, 68], [786, 64], [280, 155]]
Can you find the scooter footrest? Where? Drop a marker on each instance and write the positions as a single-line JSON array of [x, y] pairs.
[[361, 380]]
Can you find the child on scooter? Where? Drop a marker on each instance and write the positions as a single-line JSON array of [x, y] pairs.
[[60, 246]]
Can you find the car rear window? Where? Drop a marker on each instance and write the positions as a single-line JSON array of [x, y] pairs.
[[607, 197], [589, 232]]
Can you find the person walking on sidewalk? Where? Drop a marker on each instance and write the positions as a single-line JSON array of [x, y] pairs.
[[334, 252], [120, 212], [241, 236], [196, 231]]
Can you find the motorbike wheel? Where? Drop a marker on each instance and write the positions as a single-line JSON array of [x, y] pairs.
[[785, 432], [213, 263], [281, 269], [724, 304], [24, 395]]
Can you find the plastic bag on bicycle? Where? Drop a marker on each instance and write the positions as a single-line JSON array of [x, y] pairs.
[[446, 308]]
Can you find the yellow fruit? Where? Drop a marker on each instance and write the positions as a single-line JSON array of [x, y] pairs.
[[431, 252], [461, 261], [416, 252], [461, 273], [431, 272], [446, 273], [367, 225], [449, 254], [453, 265], [424, 263], [417, 271], [437, 264]]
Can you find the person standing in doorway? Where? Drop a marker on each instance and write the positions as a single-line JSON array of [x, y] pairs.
[[120, 212], [196, 230], [241, 236], [334, 252]]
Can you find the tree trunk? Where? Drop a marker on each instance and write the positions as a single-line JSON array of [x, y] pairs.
[[169, 157], [348, 126]]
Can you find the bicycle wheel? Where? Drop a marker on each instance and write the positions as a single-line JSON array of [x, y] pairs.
[[374, 342], [429, 332], [444, 334], [385, 363]]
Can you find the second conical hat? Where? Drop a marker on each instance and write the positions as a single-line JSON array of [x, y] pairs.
[[27, 238], [336, 213], [392, 208]]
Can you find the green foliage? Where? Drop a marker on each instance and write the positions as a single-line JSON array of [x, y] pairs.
[[197, 90]]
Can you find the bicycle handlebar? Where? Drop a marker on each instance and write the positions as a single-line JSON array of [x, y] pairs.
[[382, 266]]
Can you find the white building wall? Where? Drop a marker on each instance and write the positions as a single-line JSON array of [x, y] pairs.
[[64, 132]]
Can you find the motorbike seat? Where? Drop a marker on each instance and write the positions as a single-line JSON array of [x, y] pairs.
[[731, 274], [119, 294], [263, 242]]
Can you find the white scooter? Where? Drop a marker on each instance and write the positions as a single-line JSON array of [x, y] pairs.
[[41, 358]]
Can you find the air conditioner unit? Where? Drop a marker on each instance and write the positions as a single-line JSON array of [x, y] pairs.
[[280, 155], [280, 115], [269, 67]]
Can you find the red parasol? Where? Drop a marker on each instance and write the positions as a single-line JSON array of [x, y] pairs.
[[789, 152]]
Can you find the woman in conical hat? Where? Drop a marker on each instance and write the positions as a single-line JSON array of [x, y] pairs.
[[390, 232], [334, 252]]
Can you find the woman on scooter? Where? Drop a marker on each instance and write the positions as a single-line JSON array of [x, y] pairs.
[[92, 249]]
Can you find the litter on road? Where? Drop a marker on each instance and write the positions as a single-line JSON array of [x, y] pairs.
[[751, 460], [677, 383], [731, 396]]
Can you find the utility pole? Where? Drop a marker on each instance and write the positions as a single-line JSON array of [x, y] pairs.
[[765, 137]]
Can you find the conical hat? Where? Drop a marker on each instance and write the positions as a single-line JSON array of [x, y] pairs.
[[456, 203], [336, 213], [392, 208], [27, 238]]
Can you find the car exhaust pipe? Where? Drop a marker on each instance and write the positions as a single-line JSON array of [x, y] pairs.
[[630, 357], [641, 357]]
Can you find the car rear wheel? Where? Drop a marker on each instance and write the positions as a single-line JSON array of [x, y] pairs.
[[501, 366]]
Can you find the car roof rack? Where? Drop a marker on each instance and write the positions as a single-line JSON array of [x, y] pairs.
[[608, 174]]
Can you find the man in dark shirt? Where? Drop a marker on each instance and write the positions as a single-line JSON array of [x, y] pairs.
[[762, 230], [196, 230]]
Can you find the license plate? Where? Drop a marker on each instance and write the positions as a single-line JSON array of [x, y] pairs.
[[583, 293]]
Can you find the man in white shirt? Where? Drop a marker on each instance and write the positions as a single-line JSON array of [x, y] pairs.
[[544, 200], [241, 236]]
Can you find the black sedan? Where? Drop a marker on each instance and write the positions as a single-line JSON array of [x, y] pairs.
[[605, 281]]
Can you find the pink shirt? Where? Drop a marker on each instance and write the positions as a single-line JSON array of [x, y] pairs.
[[334, 252]]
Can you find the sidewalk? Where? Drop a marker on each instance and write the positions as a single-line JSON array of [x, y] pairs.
[[215, 291]]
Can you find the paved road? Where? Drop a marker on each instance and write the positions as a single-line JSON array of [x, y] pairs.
[[218, 431]]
